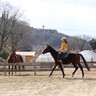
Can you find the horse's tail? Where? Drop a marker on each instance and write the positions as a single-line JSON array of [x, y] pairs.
[[86, 64], [23, 67]]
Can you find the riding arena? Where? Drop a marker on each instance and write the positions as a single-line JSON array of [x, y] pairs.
[[51, 78]]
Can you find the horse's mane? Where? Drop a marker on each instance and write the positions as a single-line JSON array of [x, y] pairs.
[[9, 55], [52, 48], [8, 58]]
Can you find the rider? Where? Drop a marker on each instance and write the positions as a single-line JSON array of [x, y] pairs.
[[63, 49]]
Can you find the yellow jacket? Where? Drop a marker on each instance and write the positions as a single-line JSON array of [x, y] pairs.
[[63, 46]]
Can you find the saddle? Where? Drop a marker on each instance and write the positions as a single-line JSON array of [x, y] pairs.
[[62, 56]]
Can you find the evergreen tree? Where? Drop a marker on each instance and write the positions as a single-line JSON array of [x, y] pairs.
[[93, 44]]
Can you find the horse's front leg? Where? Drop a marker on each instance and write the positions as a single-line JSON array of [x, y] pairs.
[[9, 69], [61, 67], [53, 69]]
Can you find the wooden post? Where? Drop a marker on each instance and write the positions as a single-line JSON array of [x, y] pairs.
[[34, 63], [5, 68]]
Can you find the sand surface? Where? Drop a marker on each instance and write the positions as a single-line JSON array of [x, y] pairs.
[[41, 85]]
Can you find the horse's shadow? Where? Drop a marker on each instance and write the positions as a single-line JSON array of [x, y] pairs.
[[73, 78]]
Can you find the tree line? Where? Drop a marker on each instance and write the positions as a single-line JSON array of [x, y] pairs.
[[93, 44]]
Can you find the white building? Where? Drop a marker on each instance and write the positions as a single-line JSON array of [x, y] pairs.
[[88, 55], [27, 56], [45, 58]]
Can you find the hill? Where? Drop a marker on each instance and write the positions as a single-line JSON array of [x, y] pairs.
[[47, 36], [38, 38]]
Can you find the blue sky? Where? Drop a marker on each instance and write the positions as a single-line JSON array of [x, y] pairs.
[[71, 17]]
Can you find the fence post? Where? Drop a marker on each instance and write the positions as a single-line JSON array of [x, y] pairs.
[[5, 68], [34, 67]]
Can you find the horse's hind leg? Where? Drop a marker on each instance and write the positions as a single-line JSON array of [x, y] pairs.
[[81, 69], [76, 68], [12, 69], [61, 67], [15, 69], [19, 69]]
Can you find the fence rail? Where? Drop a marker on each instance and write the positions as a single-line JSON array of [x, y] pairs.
[[34, 67]]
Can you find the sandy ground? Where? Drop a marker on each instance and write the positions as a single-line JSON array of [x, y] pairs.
[[42, 85]]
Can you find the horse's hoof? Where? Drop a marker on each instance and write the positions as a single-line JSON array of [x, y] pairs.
[[63, 76], [49, 75]]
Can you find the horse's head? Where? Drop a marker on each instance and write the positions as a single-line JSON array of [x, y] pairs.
[[47, 49], [11, 57], [53, 52], [13, 53]]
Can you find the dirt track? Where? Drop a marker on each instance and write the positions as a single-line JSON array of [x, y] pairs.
[[42, 85]]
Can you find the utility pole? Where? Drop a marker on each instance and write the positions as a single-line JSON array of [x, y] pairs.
[[43, 26]]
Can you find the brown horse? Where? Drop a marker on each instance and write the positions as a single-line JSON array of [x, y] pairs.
[[72, 58], [14, 58]]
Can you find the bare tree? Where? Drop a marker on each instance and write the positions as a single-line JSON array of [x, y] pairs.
[[20, 35], [79, 42], [4, 29], [71, 45], [12, 29], [8, 17]]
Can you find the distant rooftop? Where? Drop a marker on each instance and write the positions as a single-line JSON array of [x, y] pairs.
[[26, 53]]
